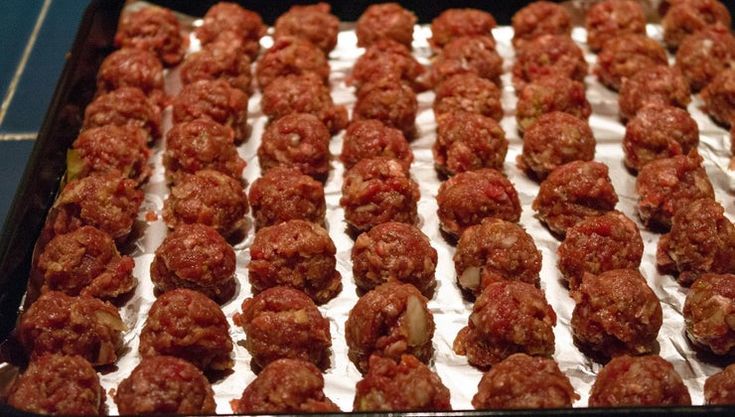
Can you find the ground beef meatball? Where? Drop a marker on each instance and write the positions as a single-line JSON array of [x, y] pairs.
[[224, 59], [495, 250], [667, 184], [297, 254], [610, 19], [195, 256], [455, 23], [540, 18], [390, 321], [126, 106], [378, 190], [154, 29], [574, 192], [201, 144], [658, 132], [385, 21], [110, 149], [85, 262], [299, 141], [468, 54], [720, 387], [286, 386], [719, 98], [704, 54], [408, 385], [130, 67], [522, 381], [691, 16], [467, 198], [215, 100], [165, 385], [226, 17], [625, 55], [313, 23], [208, 197], [283, 322], [701, 240], [303, 93], [394, 252], [467, 142], [549, 94], [709, 311], [470, 93], [284, 194], [291, 56], [188, 325], [387, 59], [84, 326], [555, 139], [370, 138], [638, 381], [658, 84], [508, 317], [599, 244], [548, 55], [58, 384], [392, 102]]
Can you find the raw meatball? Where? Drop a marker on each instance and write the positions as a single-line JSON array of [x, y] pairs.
[[188, 325], [495, 250], [549, 94], [408, 385], [701, 240], [467, 198], [638, 381], [126, 106], [284, 194], [85, 262], [720, 387], [286, 386], [610, 19], [390, 321], [370, 138], [313, 23], [224, 59], [658, 84], [226, 17], [154, 29], [385, 21], [165, 385], [303, 93], [297, 254], [392, 102], [378, 190], [291, 56], [467, 142], [208, 197], [468, 54], [555, 139], [704, 54], [282, 322], [132, 68], [540, 18], [687, 17], [548, 55], [658, 132], [387, 59], [84, 326], [299, 141], [110, 149], [58, 384], [667, 184], [215, 100], [625, 55], [508, 317], [719, 98], [599, 244], [708, 311], [392, 252], [195, 256], [455, 23], [468, 92], [522, 381]]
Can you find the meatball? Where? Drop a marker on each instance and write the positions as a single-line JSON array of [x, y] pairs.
[[389, 321], [299, 141], [378, 190], [390, 101], [125, 106], [548, 55], [201, 144], [84, 326], [522, 381], [467, 198], [708, 311], [286, 385], [704, 54], [667, 184], [638, 381], [208, 197], [495, 250], [132, 68], [284, 194], [687, 17], [720, 387], [291, 56], [58, 384], [392, 252], [658, 84], [165, 385], [195, 256], [313, 23], [302, 94], [297, 254], [188, 325], [719, 98], [224, 59], [610, 19], [625, 55], [468, 92], [555, 139], [226, 17], [371, 138], [110, 149], [387, 59], [701, 240], [467, 142], [455, 23], [658, 132], [85, 261], [540, 18], [468, 54], [408, 385], [283, 322], [599, 244], [154, 29], [215, 100], [574, 192], [549, 94], [508, 317], [385, 21]]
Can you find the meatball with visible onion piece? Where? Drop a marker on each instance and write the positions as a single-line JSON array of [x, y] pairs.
[[299, 141], [291, 56], [467, 142], [455, 23], [548, 55], [312, 22], [719, 388], [224, 59], [385, 21], [110, 149], [227, 17], [154, 29], [130, 67], [468, 54], [704, 54], [215, 100], [709, 312], [125, 106], [658, 84], [719, 98], [284, 194], [611, 19], [691, 16], [387, 59], [624, 56], [540, 18], [371, 138], [549, 94], [468, 92], [390, 101]]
